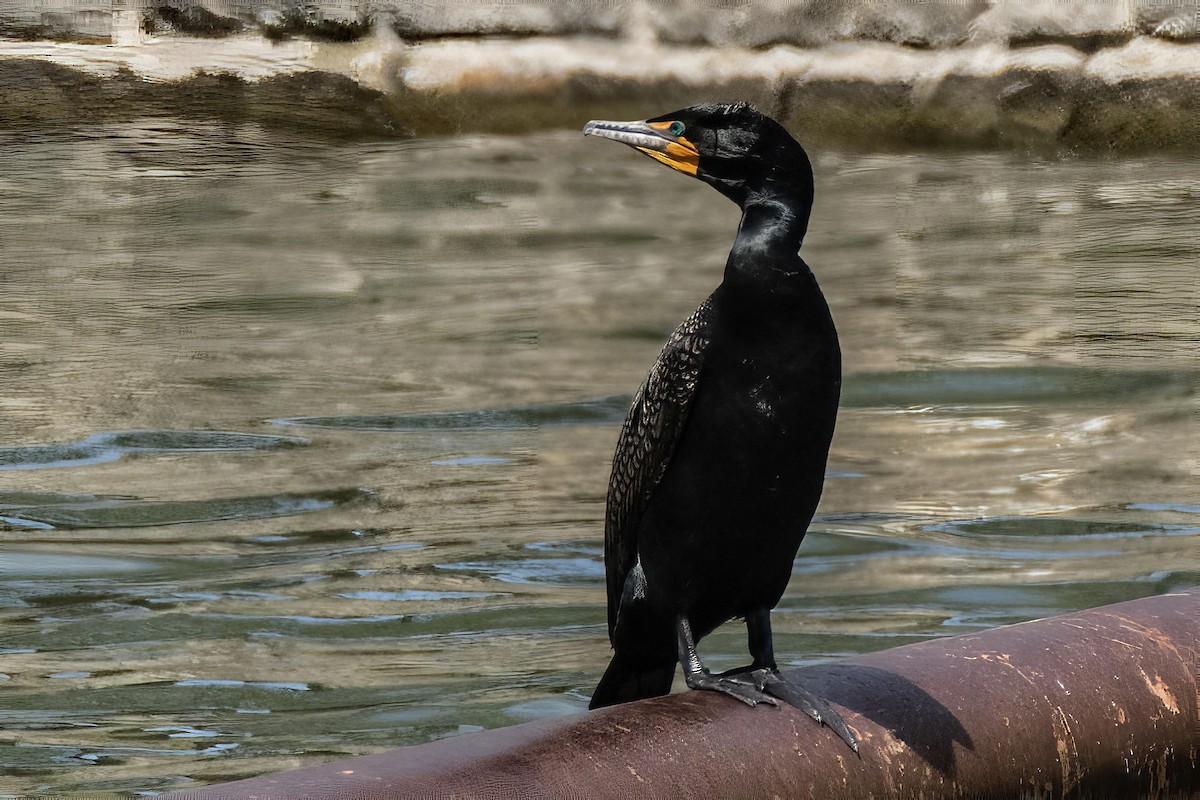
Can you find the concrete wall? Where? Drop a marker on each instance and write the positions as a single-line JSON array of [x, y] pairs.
[[756, 23]]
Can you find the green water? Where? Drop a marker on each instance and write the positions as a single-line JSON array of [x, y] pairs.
[[303, 447]]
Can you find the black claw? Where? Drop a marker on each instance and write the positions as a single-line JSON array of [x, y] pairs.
[[776, 685]]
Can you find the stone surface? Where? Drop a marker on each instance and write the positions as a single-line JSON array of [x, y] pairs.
[[1041, 76]]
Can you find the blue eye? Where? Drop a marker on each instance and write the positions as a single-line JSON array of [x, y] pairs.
[[676, 128]]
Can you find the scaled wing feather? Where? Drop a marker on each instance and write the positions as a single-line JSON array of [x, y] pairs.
[[648, 438]]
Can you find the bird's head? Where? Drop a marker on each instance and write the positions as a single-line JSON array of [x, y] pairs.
[[735, 148]]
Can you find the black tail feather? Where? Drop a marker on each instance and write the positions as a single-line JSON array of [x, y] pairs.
[[624, 682]]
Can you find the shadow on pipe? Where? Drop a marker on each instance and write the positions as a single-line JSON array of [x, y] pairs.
[[1100, 703]]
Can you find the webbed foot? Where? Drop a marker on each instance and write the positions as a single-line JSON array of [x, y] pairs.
[[746, 686], [776, 685]]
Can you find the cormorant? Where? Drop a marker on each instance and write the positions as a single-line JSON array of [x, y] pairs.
[[721, 460]]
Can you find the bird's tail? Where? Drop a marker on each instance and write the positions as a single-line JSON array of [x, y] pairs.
[[624, 682]]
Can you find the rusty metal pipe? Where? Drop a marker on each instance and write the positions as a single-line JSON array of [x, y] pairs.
[[1099, 703]]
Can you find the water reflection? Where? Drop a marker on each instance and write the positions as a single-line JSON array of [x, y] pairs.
[[456, 327]]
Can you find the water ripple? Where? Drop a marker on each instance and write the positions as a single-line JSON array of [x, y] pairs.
[[127, 512], [112, 445], [1058, 528], [609, 410], [988, 386]]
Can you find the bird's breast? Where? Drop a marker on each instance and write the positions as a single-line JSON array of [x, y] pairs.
[[765, 397]]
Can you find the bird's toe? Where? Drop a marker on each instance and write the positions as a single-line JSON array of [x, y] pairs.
[[775, 685], [747, 687]]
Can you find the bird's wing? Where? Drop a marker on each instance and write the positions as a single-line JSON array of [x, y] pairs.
[[652, 429]]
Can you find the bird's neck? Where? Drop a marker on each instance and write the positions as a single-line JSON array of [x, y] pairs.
[[774, 220]]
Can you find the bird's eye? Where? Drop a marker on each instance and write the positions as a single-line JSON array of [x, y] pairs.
[[676, 128]]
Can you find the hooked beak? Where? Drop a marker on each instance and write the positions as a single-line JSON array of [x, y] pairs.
[[652, 138]]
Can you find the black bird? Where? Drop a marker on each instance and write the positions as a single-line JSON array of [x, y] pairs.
[[721, 460]]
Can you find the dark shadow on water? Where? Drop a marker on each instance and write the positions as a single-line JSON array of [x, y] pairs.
[[892, 701]]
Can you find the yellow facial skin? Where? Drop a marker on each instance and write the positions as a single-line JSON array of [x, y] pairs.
[[652, 138], [679, 154]]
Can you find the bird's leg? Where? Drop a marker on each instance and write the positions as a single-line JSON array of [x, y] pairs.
[[766, 673], [744, 687], [762, 649]]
